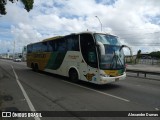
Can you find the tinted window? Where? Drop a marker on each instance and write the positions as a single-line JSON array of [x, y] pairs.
[[51, 46], [36, 47], [61, 45], [72, 43], [88, 49], [29, 48], [43, 47]]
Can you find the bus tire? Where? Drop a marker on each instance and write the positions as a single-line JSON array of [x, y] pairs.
[[73, 75]]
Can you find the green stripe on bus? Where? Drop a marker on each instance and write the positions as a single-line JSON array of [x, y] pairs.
[[55, 60]]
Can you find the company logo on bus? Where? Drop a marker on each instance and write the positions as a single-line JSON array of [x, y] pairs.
[[89, 76]]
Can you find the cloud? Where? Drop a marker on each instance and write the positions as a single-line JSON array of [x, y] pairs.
[[137, 23], [24, 34]]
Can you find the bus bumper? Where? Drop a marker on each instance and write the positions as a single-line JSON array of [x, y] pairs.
[[105, 80]]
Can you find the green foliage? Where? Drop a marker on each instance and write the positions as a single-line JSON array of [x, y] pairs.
[[155, 54], [138, 54], [20, 56], [28, 5], [2, 7], [12, 1]]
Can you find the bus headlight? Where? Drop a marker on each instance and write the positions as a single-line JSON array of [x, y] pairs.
[[104, 75]]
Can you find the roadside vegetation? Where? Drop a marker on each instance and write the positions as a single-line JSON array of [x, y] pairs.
[[155, 54], [28, 5]]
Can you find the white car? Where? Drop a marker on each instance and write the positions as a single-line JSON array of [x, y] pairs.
[[17, 60]]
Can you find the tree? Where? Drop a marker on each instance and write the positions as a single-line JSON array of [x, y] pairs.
[[155, 54], [28, 5], [138, 56]]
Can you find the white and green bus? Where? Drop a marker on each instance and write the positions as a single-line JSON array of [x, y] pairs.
[[87, 56]]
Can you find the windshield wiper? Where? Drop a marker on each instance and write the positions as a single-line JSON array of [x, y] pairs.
[[122, 65], [112, 63], [116, 58]]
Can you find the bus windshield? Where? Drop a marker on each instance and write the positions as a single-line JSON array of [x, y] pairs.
[[110, 55]]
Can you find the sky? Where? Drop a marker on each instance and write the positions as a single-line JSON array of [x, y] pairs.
[[135, 22]]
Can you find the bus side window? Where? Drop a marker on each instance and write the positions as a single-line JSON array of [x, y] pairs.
[[72, 43], [29, 49], [61, 44], [37, 47], [51, 46], [44, 47]]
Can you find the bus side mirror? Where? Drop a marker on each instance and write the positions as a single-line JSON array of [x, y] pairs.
[[101, 48], [131, 54], [123, 47]]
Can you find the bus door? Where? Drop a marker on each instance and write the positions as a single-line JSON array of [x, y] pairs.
[[89, 64]]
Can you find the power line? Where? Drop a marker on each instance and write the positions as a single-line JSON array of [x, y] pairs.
[[139, 34], [143, 44], [146, 44], [138, 28]]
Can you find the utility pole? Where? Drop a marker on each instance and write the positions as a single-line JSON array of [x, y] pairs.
[[99, 22], [8, 53], [14, 49]]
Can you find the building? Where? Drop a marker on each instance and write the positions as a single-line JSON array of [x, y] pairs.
[[130, 59]]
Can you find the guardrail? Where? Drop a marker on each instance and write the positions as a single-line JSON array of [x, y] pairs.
[[6, 58], [143, 72]]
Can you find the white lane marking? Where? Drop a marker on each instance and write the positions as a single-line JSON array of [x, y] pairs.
[[25, 94], [120, 98], [40, 74], [157, 109]]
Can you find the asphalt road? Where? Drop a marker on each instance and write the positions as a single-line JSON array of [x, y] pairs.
[[47, 92]]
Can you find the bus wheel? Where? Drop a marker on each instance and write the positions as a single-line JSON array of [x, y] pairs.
[[73, 75]]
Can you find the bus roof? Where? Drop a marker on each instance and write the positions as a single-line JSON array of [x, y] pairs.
[[92, 32], [52, 38], [56, 37], [48, 39]]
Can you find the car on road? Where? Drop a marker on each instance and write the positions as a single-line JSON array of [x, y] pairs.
[[17, 60]]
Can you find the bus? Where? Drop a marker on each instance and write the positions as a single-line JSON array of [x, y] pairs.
[[89, 56]]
